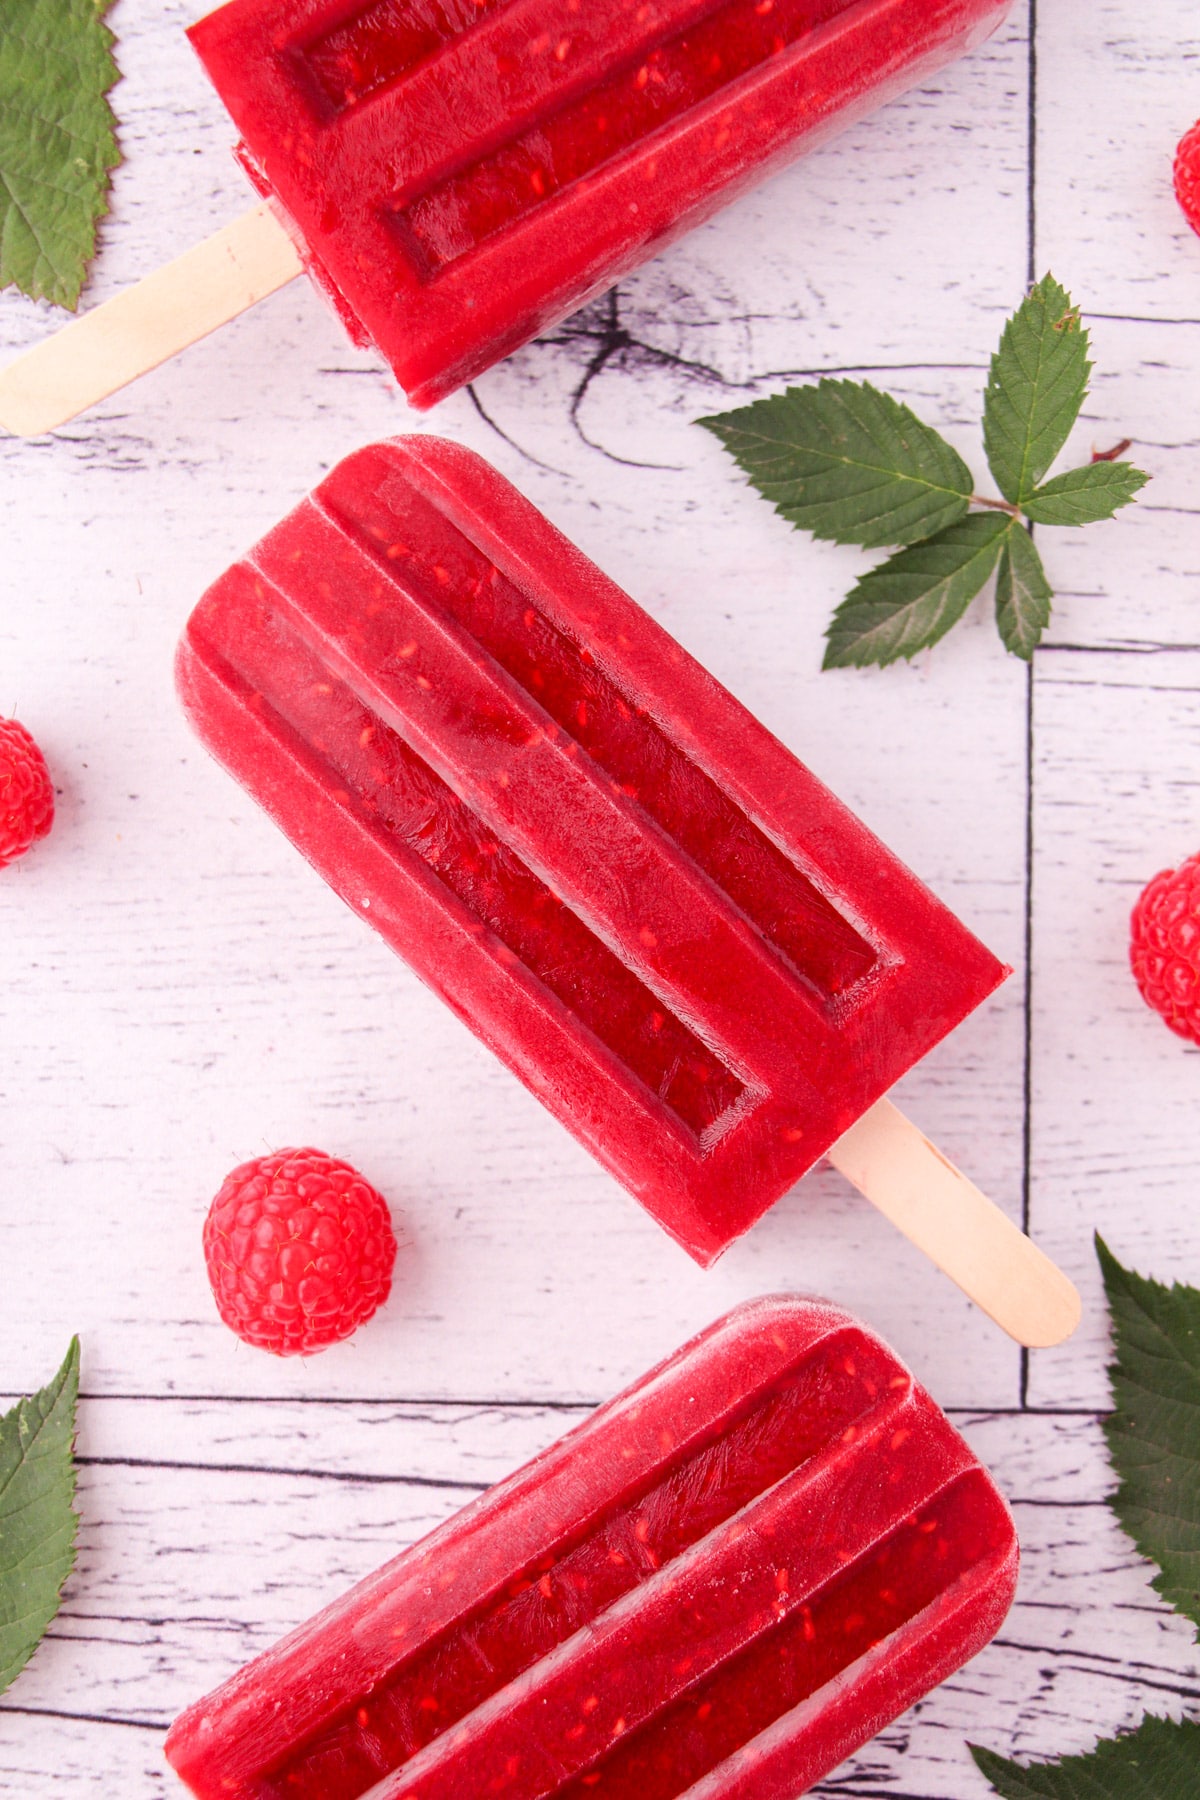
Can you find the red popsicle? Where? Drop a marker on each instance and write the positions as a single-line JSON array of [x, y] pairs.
[[459, 174], [465, 173], [696, 956], [688, 948], [722, 1584]]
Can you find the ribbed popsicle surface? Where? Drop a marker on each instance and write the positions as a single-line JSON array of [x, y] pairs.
[[719, 1585], [699, 960], [464, 172]]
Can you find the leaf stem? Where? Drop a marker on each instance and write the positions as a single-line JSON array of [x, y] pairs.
[[1014, 512]]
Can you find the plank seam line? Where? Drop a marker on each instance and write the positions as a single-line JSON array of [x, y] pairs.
[[1125, 1678], [420, 1481], [334, 1400], [1151, 647], [48, 1712], [1136, 318], [1090, 1656], [969, 1413], [1031, 140]]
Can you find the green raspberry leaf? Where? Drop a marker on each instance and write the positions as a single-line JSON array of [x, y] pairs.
[[37, 1519], [1023, 594], [1154, 1433], [1154, 1441], [1085, 496], [1037, 384], [1158, 1761], [847, 463], [913, 599], [57, 146]]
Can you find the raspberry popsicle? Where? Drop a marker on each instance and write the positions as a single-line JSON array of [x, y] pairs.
[[459, 174], [685, 946], [721, 1584]]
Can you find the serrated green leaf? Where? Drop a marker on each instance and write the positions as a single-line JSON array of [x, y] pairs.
[[913, 599], [1036, 386], [1085, 496], [1154, 1440], [37, 1519], [1154, 1433], [1158, 1761], [848, 463], [57, 146], [1023, 594]]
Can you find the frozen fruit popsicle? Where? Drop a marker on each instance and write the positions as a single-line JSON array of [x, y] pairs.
[[459, 174], [720, 1585], [696, 957]]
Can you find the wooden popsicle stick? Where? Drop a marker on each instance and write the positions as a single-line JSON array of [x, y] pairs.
[[899, 1171], [133, 332]]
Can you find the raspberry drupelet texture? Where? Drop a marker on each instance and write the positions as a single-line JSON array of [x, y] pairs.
[[26, 792], [1165, 947], [1187, 176], [299, 1250]]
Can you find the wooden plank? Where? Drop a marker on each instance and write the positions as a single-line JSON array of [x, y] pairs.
[[1131, 583], [1107, 221], [83, 1759], [1114, 1092]]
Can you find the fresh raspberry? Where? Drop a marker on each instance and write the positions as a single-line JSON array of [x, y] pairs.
[[1165, 947], [299, 1250], [26, 792], [1187, 176]]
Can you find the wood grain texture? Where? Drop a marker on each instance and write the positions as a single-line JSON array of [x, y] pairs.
[[1111, 1153], [178, 992]]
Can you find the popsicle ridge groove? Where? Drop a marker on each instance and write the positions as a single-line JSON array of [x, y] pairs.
[[630, 882], [659, 83], [570, 690], [529, 48], [813, 1645], [396, 792], [695, 1499], [379, 44], [741, 1612]]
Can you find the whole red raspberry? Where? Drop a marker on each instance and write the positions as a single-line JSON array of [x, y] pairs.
[[1187, 176], [26, 792], [1165, 947], [299, 1250]]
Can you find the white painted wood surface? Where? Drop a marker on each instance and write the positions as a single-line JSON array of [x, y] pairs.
[[177, 992]]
